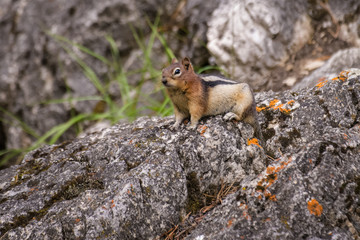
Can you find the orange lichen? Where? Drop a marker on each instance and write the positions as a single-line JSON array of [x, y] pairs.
[[254, 141], [270, 170], [246, 215], [259, 109], [272, 178], [269, 179], [291, 102], [32, 190], [343, 75], [77, 220], [315, 207], [321, 79], [245, 212], [202, 129], [342, 78], [273, 102], [112, 204], [275, 106], [229, 223], [321, 84], [131, 190], [271, 197]]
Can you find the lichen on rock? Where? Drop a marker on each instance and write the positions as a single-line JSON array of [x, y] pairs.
[[138, 180]]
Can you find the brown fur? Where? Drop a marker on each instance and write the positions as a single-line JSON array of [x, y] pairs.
[[195, 96]]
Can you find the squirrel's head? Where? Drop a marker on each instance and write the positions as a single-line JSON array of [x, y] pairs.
[[178, 75]]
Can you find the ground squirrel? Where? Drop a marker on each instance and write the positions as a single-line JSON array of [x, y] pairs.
[[196, 96]]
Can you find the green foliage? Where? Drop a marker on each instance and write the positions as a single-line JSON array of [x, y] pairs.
[[131, 96]]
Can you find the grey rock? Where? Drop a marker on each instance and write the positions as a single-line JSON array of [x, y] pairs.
[[254, 41], [125, 182], [343, 59], [137, 181], [317, 163], [249, 38], [35, 69]]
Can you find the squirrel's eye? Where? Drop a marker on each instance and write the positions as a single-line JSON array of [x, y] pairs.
[[177, 71]]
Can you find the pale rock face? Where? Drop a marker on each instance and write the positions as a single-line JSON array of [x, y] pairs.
[[250, 39], [343, 59], [247, 35]]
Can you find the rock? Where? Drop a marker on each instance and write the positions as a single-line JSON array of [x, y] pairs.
[[137, 181], [256, 37], [259, 42], [311, 189], [343, 59], [125, 182], [34, 68], [262, 43]]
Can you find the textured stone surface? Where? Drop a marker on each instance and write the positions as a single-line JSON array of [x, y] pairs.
[[343, 59], [311, 189], [255, 41], [256, 36], [136, 181], [35, 69], [260, 42], [128, 181]]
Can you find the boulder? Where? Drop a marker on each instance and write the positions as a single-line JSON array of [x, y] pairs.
[[35, 69], [343, 59], [264, 43], [145, 181]]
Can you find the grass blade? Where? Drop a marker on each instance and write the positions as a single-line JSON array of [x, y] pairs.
[[84, 49]]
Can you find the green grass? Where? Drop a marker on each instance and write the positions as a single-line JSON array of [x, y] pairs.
[[131, 96], [107, 108]]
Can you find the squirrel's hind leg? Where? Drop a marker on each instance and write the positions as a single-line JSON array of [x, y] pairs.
[[231, 116]]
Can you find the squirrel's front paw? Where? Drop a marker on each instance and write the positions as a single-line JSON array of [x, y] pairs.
[[191, 127], [231, 116], [174, 128]]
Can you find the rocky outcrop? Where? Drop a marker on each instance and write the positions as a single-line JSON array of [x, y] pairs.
[[265, 42], [343, 59], [254, 38], [141, 180], [34, 68], [310, 191], [126, 182]]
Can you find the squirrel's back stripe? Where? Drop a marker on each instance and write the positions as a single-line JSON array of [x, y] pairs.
[[217, 82]]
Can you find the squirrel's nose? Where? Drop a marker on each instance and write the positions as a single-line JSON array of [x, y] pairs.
[[164, 81]]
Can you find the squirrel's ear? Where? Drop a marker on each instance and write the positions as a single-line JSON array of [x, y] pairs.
[[174, 60], [186, 63]]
